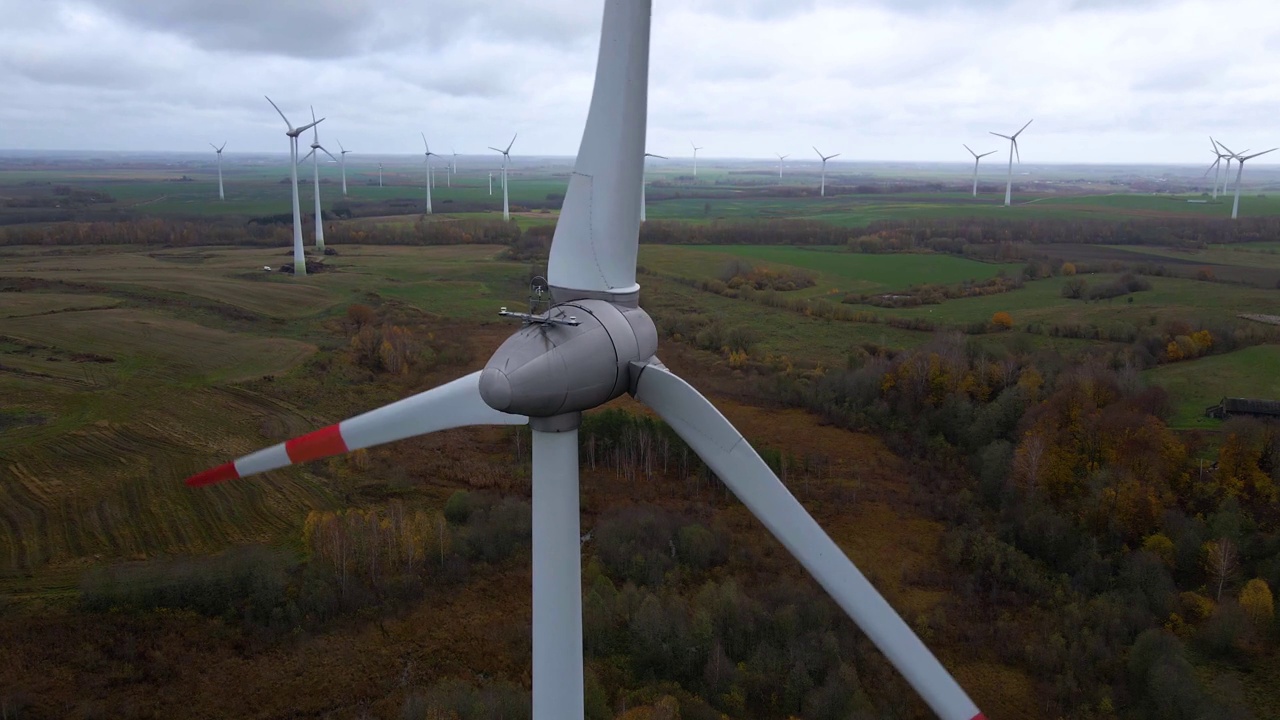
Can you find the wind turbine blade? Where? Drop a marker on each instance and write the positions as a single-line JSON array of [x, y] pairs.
[[734, 461], [593, 249], [224, 144], [815, 149], [1264, 152], [831, 157], [971, 152], [993, 152], [1015, 151], [1024, 127], [424, 142], [308, 127], [1006, 137], [277, 107], [498, 150], [305, 157], [454, 404], [340, 148], [513, 142], [1229, 151], [215, 147], [326, 152]]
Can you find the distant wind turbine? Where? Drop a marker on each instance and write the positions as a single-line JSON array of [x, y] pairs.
[[642, 211], [221, 196], [1226, 176], [430, 177], [490, 183], [315, 169], [825, 158], [1216, 166], [379, 174], [342, 152], [299, 257], [780, 159], [695, 159], [453, 167], [1235, 206], [976, 158], [1013, 148], [506, 156]]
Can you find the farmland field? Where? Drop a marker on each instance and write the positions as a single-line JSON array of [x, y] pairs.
[[1252, 373]]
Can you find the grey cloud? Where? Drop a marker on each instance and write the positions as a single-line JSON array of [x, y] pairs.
[[303, 28]]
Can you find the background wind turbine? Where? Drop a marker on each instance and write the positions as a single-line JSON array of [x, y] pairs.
[[825, 158], [342, 153], [695, 159], [593, 344], [299, 257], [379, 174], [1235, 205], [430, 177], [453, 167], [1226, 175], [490, 183], [1013, 148], [643, 216], [315, 174], [976, 158], [780, 159], [506, 155], [221, 196]]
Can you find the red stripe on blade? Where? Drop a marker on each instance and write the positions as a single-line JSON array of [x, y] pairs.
[[979, 716], [214, 475], [321, 443]]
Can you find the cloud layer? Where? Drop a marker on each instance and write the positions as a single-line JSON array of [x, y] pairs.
[[1115, 81]]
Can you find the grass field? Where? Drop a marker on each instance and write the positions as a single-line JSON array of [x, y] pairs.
[[835, 270], [1252, 373]]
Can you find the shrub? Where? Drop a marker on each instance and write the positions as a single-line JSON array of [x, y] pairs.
[[1002, 320]]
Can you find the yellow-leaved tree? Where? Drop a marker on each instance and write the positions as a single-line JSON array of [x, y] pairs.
[[1257, 602]]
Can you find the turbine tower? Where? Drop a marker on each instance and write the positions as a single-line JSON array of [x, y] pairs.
[[453, 168], [780, 159], [976, 158], [342, 153], [589, 344], [430, 177], [315, 173], [643, 217], [825, 158], [299, 257], [379, 174], [695, 159], [1226, 175], [506, 156], [1013, 148], [221, 196], [1235, 205]]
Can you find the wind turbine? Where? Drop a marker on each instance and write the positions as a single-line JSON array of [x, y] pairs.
[[591, 344], [453, 168], [695, 159], [1235, 206], [976, 158], [643, 217], [221, 196], [379, 174], [780, 159], [315, 173], [1013, 148], [506, 156], [430, 177], [825, 158], [299, 257], [342, 152], [1226, 176]]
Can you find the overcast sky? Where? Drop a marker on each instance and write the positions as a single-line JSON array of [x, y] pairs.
[[1105, 80]]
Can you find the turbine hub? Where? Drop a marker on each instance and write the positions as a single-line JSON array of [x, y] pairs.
[[552, 367]]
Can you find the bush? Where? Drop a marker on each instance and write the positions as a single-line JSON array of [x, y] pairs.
[[457, 509]]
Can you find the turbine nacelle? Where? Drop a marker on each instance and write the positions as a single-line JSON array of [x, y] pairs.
[[576, 357]]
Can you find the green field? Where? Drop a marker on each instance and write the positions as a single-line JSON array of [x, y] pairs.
[[1251, 373], [835, 269]]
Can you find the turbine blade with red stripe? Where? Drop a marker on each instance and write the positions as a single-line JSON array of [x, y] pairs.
[[454, 404]]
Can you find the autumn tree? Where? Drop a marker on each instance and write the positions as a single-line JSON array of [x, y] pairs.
[[1222, 562], [1257, 602], [1002, 320], [1068, 269]]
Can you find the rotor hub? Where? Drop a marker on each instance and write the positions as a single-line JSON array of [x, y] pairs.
[[577, 357]]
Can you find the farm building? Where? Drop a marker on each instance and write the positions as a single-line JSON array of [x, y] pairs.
[[1234, 407]]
